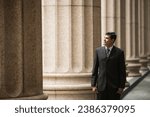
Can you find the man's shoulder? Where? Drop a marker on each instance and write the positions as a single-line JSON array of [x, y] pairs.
[[99, 48], [118, 49]]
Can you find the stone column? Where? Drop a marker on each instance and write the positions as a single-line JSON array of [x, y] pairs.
[[148, 34], [113, 19], [120, 24], [21, 50], [107, 17], [71, 31], [142, 35], [132, 56]]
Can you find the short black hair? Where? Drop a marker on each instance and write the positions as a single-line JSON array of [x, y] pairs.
[[112, 35]]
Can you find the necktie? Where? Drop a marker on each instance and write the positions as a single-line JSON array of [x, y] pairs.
[[107, 52]]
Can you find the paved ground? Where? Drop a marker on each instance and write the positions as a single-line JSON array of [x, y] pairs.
[[141, 91]]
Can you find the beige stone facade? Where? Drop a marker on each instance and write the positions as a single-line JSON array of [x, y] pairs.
[[72, 29], [48, 45]]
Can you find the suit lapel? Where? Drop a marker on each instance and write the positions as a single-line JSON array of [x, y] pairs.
[[112, 51], [104, 52], [104, 55]]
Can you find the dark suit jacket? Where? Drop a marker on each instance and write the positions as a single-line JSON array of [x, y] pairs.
[[110, 71]]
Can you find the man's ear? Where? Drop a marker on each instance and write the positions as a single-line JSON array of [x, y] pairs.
[[113, 40]]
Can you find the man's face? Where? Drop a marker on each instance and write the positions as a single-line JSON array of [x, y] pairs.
[[108, 42]]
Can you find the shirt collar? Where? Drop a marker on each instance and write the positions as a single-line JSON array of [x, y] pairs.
[[110, 48]]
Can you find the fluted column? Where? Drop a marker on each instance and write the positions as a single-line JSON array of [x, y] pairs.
[[71, 31], [2, 36], [148, 34], [113, 19], [120, 24], [108, 16], [132, 56], [21, 52], [142, 35]]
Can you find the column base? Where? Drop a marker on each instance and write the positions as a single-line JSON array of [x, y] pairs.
[[133, 67], [127, 72], [68, 86], [148, 61], [70, 92], [144, 64], [66, 78]]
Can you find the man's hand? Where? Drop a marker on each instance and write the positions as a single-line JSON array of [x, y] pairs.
[[94, 89], [120, 91]]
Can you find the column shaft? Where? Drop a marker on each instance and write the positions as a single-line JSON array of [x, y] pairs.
[[143, 34], [21, 50], [13, 48], [113, 19], [108, 16], [148, 40], [71, 30], [120, 24], [2, 37], [132, 38]]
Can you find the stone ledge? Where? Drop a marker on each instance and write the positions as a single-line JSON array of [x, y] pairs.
[[70, 75], [36, 97], [66, 87], [71, 95], [134, 81]]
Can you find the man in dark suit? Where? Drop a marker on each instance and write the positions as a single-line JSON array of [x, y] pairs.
[[108, 74]]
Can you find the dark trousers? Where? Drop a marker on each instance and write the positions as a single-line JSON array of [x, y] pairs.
[[109, 93]]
